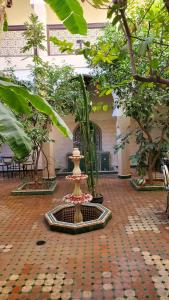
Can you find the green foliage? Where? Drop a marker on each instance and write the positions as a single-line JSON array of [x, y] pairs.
[[99, 3], [34, 35], [12, 133], [146, 34], [100, 106], [149, 107], [35, 38], [71, 14], [18, 92], [58, 86], [63, 45], [5, 23]]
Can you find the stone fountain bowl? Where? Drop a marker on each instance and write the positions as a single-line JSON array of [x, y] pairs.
[[95, 216]]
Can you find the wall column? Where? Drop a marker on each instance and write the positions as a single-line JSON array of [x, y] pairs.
[[123, 125], [48, 152]]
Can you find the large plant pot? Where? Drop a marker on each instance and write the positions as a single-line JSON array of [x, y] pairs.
[[97, 199]]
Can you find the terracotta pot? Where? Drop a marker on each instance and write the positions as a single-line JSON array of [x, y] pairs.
[[97, 199]]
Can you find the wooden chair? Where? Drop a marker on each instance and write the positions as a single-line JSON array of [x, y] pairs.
[[166, 183]]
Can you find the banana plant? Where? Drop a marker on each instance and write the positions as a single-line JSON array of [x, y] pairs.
[[18, 99], [11, 131], [70, 13]]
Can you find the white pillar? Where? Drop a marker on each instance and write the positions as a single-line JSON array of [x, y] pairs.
[[123, 125]]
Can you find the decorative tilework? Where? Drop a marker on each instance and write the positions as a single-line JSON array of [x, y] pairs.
[[161, 281], [107, 264], [5, 248], [11, 44], [145, 220]]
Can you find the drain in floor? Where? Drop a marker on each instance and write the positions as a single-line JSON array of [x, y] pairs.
[[40, 243]]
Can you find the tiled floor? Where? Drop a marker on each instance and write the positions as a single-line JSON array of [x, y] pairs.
[[128, 259]]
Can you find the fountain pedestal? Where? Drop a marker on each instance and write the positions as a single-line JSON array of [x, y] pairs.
[[78, 215], [77, 197]]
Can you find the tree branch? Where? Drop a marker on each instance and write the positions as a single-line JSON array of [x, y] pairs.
[[155, 79], [154, 42], [129, 42], [159, 146], [144, 130]]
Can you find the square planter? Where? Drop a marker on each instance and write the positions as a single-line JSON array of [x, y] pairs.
[[40, 188], [148, 187]]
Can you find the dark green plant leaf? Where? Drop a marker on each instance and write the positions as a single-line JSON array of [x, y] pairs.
[[63, 45], [13, 134], [112, 9], [99, 3], [5, 25], [37, 102], [143, 46], [11, 99], [71, 14], [116, 20]]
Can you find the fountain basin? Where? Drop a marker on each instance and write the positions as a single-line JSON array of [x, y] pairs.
[[61, 218], [77, 177], [71, 198]]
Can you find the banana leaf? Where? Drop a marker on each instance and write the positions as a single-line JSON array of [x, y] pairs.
[[12, 133], [18, 99], [71, 14]]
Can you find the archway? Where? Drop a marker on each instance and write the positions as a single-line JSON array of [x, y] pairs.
[[78, 141]]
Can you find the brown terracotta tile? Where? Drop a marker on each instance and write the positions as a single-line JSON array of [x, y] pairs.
[[128, 257]]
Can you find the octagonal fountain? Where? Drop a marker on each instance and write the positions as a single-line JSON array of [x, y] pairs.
[[78, 215]]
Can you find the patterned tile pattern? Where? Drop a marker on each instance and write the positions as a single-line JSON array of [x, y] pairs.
[[105, 264], [145, 220], [5, 248], [12, 43], [161, 281]]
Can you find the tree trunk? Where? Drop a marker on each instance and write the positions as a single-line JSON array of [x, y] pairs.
[[166, 2], [150, 168], [150, 174], [38, 151]]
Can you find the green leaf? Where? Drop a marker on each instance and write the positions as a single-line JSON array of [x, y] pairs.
[[99, 3], [109, 91], [94, 108], [11, 99], [37, 102], [63, 45], [105, 107], [71, 14], [112, 9], [116, 20], [12, 132], [87, 44], [76, 24], [154, 63], [143, 46], [5, 24]]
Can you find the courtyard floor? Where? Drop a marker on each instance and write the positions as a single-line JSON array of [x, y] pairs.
[[128, 259]]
